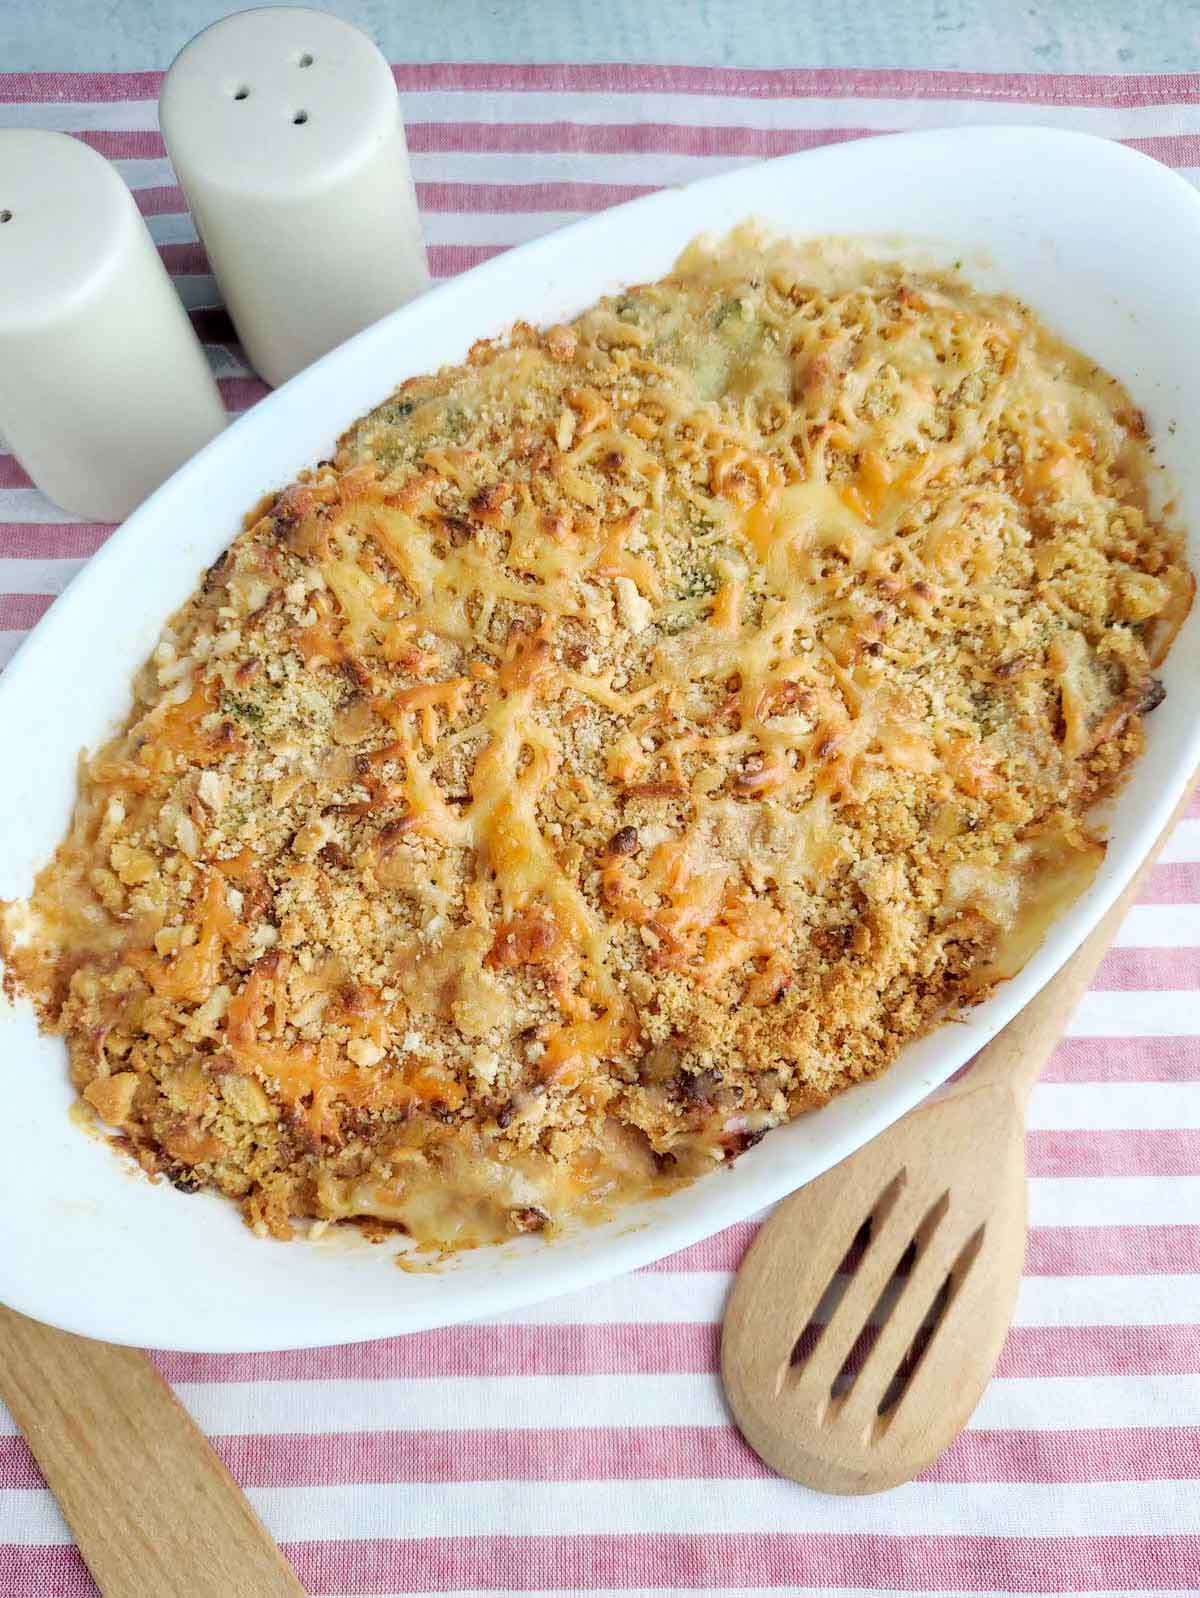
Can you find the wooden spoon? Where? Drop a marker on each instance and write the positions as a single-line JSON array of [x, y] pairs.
[[846, 1373], [154, 1511]]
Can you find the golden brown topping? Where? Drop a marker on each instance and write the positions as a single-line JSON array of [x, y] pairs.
[[631, 738]]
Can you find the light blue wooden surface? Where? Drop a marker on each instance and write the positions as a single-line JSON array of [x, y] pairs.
[[1007, 35]]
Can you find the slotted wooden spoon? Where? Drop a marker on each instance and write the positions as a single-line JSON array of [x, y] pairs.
[[870, 1310]]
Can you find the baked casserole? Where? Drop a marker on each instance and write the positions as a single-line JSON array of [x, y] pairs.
[[631, 738]]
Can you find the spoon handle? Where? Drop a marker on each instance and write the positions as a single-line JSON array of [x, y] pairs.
[[1018, 1053], [152, 1508]]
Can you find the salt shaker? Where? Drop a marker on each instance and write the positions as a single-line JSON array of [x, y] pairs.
[[104, 387], [285, 132]]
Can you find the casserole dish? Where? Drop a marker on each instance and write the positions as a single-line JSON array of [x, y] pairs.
[[92, 1247]]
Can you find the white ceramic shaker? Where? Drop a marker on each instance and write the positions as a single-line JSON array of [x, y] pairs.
[[104, 388], [285, 131]]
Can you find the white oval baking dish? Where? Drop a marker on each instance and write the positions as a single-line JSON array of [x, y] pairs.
[[1102, 242]]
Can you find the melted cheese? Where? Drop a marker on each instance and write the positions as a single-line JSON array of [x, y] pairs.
[[632, 737]]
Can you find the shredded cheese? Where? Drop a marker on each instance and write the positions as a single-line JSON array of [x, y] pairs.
[[632, 737]]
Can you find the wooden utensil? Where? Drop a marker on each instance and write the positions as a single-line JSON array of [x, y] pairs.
[[154, 1511], [869, 1313]]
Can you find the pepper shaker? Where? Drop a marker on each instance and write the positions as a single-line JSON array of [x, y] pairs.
[[104, 387], [285, 132]]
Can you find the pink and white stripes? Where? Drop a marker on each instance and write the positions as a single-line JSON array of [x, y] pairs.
[[581, 1447]]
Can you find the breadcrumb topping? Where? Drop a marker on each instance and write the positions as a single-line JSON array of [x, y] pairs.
[[629, 740]]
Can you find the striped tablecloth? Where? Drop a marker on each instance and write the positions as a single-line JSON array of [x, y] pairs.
[[582, 1447]]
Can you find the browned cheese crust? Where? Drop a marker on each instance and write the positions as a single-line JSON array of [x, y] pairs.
[[631, 738]]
